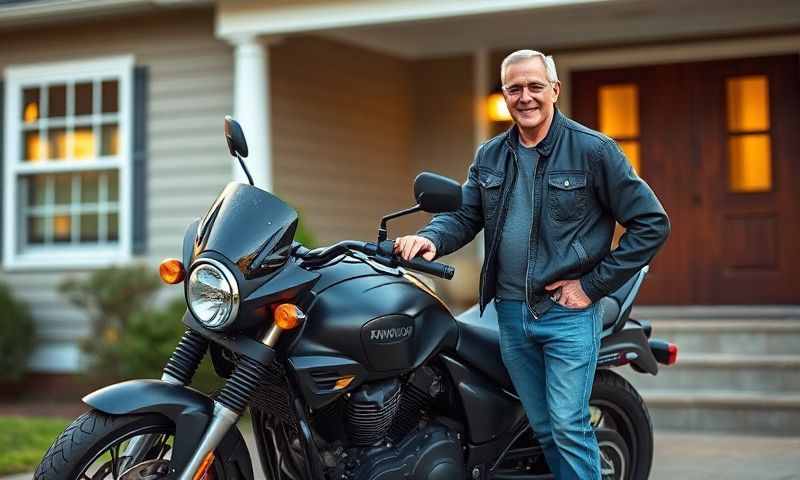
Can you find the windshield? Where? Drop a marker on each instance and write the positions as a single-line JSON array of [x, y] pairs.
[[251, 227]]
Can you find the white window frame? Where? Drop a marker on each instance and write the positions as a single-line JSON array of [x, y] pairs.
[[65, 256]]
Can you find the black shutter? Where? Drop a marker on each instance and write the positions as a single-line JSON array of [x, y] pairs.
[[2, 166], [139, 158]]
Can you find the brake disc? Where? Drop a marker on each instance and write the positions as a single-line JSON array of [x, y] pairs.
[[147, 470]]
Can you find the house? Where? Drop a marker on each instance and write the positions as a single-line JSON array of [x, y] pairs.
[[112, 126]]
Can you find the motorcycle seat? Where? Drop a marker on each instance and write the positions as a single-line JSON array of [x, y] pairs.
[[479, 338]]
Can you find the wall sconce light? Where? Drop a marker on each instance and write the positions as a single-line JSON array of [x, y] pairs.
[[496, 106]]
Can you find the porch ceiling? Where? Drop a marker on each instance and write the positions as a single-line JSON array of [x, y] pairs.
[[575, 25]]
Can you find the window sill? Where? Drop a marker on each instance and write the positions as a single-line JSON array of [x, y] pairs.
[[67, 260]]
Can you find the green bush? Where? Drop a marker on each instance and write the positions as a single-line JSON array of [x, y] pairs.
[[17, 334], [111, 296], [303, 235], [149, 340]]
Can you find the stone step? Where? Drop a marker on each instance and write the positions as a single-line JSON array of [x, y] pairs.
[[716, 312], [712, 372], [725, 411], [741, 336]]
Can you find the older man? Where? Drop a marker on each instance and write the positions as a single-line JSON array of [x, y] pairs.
[[548, 192]]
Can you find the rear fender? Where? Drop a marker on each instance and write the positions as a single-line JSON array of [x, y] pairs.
[[189, 409], [628, 346]]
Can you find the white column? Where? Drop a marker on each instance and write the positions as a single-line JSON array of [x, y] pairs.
[[251, 108]]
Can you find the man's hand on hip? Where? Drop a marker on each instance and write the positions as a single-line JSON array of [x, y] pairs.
[[409, 246], [569, 293]]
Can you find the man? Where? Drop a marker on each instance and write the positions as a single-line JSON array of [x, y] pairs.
[[547, 192]]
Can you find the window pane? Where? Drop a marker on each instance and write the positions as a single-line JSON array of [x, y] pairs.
[[750, 163], [113, 186], [63, 189], [631, 150], [89, 228], [57, 101], [37, 190], [35, 230], [619, 110], [110, 96], [83, 98], [56, 143], [113, 227], [62, 228], [748, 103], [110, 138], [30, 105], [83, 145], [31, 146], [89, 190]]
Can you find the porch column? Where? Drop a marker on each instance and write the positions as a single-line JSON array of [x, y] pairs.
[[251, 108], [480, 81]]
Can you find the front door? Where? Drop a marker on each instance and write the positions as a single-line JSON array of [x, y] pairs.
[[718, 142]]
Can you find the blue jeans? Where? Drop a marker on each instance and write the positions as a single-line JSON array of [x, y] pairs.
[[552, 362]]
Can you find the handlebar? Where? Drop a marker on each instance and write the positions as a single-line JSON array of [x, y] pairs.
[[383, 253]]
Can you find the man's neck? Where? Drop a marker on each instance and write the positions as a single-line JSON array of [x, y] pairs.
[[530, 137]]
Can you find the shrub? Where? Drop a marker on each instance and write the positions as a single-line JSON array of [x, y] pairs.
[[17, 334], [149, 340], [111, 296]]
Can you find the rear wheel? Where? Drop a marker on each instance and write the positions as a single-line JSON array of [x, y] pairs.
[[94, 447], [617, 408]]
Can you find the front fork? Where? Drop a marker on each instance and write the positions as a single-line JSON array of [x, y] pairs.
[[233, 398]]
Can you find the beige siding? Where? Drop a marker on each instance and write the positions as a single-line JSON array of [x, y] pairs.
[[190, 89], [341, 127]]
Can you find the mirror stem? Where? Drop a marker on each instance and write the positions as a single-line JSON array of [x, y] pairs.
[[383, 232], [246, 171]]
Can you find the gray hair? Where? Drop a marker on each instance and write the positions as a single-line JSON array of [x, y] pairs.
[[520, 55]]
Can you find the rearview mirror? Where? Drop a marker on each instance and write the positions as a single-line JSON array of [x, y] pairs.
[[235, 137], [436, 193]]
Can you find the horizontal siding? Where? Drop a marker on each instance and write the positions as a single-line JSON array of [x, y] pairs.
[[341, 131], [190, 90]]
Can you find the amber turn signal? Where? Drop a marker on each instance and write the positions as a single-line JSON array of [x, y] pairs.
[[172, 271], [288, 316]]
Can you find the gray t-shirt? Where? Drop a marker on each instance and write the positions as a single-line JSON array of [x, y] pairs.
[[512, 252]]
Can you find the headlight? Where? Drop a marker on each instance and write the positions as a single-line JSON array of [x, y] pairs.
[[212, 294]]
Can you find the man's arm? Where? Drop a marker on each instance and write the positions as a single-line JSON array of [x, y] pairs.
[[635, 206], [450, 231]]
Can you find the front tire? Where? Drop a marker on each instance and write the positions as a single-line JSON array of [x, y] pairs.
[[97, 438], [616, 405]]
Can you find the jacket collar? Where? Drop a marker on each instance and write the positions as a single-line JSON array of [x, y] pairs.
[[546, 145]]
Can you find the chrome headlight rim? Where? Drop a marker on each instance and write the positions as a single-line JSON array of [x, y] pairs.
[[232, 283]]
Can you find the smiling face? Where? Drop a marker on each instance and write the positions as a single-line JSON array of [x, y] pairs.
[[530, 96]]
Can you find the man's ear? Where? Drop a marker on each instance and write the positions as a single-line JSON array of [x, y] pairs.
[[556, 90]]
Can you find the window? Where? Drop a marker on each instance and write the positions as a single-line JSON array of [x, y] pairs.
[[67, 163], [749, 149], [618, 109]]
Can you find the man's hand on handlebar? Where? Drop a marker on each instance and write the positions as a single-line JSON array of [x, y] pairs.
[[410, 246]]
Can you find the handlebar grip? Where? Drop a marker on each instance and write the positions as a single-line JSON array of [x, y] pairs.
[[433, 268]]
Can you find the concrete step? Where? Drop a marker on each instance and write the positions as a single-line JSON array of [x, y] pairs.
[[725, 411], [739, 336], [715, 371]]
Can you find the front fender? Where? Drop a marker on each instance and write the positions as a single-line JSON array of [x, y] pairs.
[[189, 409]]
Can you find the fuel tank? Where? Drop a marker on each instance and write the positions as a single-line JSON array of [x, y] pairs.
[[370, 322]]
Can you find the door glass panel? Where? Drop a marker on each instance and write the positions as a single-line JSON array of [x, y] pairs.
[[57, 143], [750, 163], [57, 101], [31, 146], [83, 143], [30, 105], [619, 110], [83, 98], [748, 103]]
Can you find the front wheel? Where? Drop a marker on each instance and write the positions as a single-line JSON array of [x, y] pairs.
[[94, 446]]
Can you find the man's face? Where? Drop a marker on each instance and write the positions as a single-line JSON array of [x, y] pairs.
[[530, 96]]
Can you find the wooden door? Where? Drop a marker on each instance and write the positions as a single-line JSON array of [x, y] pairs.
[[694, 132]]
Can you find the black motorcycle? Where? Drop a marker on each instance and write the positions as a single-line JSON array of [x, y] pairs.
[[352, 367]]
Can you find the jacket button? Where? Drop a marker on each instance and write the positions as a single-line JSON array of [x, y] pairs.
[[566, 183]]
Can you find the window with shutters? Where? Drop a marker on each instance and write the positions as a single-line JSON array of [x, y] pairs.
[[67, 163]]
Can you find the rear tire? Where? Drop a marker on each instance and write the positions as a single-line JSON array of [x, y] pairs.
[[90, 435], [625, 412]]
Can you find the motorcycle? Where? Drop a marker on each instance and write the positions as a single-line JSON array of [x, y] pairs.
[[351, 366]]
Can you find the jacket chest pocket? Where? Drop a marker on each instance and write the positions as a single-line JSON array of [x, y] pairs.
[[567, 193], [490, 183]]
